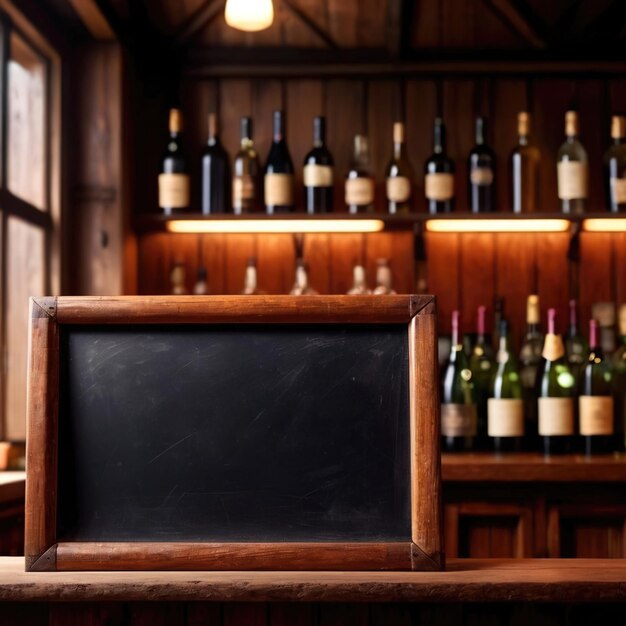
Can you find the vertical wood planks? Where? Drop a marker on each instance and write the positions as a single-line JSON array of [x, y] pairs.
[[476, 279], [442, 273], [553, 274], [596, 276], [249, 613], [235, 103]]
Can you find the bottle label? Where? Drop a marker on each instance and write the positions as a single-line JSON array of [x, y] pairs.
[[398, 188], [318, 175], [359, 191], [505, 417], [553, 348], [174, 191], [556, 416], [458, 420], [278, 189], [481, 176], [439, 187], [243, 189], [618, 190], [572, 179], [596, 415]]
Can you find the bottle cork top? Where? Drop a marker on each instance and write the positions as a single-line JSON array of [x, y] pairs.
[[532, 309], [398, 132], [571, 123], [176, 121], [618, 127], [523, 123]]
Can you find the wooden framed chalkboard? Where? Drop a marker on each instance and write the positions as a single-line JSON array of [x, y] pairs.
[[235, 432]]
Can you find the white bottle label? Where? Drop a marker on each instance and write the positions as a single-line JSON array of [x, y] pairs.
[[482, 176], [596, 415], [439, 187], [278, 189], [398, 188], [318, 175], [174, 191], [505, 417], [359, 191], [572, 179], [556, 416], [458, 420], [618, 190]]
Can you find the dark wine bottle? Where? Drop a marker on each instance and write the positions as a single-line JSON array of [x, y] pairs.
[[318, 172], [572, 167], [174, 176], [215, 168], [399, 174], [555, 391], [505, 409], [482, 367], [458, 403], [595, 400], [359, 185], [618, 361], [525, 161], [576, 347], [615, 167], [279, 171], [246, 174], [439, 174], [482, 172]]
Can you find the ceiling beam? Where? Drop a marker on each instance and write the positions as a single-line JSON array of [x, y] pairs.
[[199, 19], [94, 20], [310, 23], [520, 21]]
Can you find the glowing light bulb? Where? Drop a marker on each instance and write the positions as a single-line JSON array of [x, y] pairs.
[[250, 15]]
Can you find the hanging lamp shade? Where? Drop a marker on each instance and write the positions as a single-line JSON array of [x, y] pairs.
[[250, 15]]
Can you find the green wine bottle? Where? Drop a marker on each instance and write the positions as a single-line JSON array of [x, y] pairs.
[[555, 391], [482, 367], [505, 408], [595, 402], [458, 404], [576, 347], [619, 382]]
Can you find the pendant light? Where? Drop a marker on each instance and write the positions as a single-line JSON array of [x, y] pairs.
[[249, 15]]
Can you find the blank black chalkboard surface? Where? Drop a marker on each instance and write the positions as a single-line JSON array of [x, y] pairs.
[[268, 432]]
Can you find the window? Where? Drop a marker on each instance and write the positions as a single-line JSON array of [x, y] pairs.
[[29, 124]]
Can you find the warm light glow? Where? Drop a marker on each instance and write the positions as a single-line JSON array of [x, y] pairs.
[[497, 226], [250, 15], [276, 226], [605, 225]]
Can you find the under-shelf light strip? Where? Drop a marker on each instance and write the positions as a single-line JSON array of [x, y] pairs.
[[276, 226], [497, 225], [605, 225]]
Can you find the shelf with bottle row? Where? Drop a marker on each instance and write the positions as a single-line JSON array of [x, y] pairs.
[[376, 222]]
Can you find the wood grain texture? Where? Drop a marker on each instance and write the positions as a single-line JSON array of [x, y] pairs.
[[466, 580]]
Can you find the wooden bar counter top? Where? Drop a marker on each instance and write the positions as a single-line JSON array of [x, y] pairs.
[[466, 580]]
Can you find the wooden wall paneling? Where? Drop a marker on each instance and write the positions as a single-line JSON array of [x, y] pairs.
[[238, 249], [371, 23], [304, 102], [318, 257], [443, 274], [397, 248], [210, 250], [513, 266], [476, 279], [421, 110], [157, 614], [619, 251], [343, 615], [248, 613], [451, 529], [383, 109], [267, 97], [343, 21], [509, 98], [292, 614], [276, 263], [345, 252], [553, 274], [379, 246], [344, 110], [551, 97], [459, 115], [426, 27], [297, 33], [457, 18], [204, 614], [235, 103], [595, 274]]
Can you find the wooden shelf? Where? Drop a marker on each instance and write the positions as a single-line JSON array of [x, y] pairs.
[[532, 467]]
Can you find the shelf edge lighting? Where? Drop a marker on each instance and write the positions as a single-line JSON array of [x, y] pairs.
[[497, 225], [276, 226], [603, 225]]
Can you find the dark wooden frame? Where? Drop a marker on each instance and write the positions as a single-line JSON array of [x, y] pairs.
[[44, 553]]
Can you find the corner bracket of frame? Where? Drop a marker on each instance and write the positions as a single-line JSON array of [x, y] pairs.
[[44, 307], [422, 305], [426, 562], [46, 562]]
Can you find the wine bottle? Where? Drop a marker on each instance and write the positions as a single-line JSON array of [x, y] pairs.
[[555, 391], [174, 176], [482, 367], [246, 173], [576, 347], [215, 173], [481, 168], [505, 409], [383, 279], [619, 382], [439, 174], [359, 282], [458, 404], [301, 285], [359, 190], [595, 400], [572, 169], [201, 286], [525, 161], [399, 174], [178, 279], [530, 359], [279, 171], [318, 172], [498, 316], [250, 286], [615, 167]]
